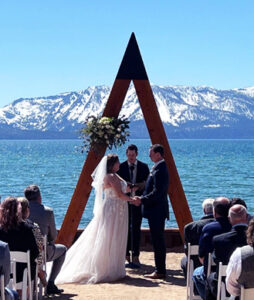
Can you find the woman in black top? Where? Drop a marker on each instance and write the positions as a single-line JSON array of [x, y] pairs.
[[18, 234]]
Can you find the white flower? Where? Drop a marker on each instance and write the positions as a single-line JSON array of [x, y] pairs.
[[104, 120], [105, 130]]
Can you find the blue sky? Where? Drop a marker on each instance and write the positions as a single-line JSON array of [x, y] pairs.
[[53, 46]]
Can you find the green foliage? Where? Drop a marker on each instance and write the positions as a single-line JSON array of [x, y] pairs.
[[112, 132]]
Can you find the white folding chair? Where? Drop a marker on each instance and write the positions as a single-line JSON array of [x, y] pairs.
[[44, 266], [247, 294], [221, 288], [26, 284], [192, 250], [2, 288], [210, 264]]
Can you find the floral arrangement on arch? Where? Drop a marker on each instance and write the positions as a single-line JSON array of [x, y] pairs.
[[112, 132]]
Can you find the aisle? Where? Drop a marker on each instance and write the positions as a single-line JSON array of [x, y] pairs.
[[135, 286]]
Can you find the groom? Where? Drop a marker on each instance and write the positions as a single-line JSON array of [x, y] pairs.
[[156, 209]]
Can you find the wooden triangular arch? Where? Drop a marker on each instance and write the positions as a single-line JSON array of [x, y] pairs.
[[131, 68]]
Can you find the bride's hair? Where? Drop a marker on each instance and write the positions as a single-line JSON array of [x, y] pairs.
[[111, 160]]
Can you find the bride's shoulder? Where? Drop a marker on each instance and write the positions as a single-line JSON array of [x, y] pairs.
[[110, 177]]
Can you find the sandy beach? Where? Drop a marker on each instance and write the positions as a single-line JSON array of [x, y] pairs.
[[135, 285]]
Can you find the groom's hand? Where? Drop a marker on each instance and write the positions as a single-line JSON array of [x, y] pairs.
[[137, 200]]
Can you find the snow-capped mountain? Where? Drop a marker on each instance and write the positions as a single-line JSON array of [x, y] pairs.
[[187, 112]]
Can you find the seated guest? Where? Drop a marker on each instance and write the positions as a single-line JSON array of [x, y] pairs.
[[241, 202], [44, 217], [38, 237], [220, 225], [192, 232], [240, 270], [18, 234], [5, 270], [225, 244]]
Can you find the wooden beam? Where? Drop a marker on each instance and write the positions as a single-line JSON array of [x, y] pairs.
[[131, 68], [83, 188], [158, 136]]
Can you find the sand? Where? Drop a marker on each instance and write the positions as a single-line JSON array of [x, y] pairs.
[[135, 285]]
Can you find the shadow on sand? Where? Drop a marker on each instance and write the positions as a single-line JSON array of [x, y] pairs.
[[62, 297], [174, 277]]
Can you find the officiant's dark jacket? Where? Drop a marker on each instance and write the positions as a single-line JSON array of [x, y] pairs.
[[154, 199], [142, 173], [135, 215]]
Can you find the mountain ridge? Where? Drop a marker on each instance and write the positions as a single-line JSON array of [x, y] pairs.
[[186, 112]]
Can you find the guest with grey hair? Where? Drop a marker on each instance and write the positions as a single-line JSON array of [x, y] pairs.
[[207, 206], [241, 202], [192, 232]]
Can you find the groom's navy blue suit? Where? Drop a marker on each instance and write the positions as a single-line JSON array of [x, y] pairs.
[[156, 210]]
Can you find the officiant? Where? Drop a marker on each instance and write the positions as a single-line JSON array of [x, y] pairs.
[[135, 173]]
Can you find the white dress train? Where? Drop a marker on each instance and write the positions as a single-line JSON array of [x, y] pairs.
[[99, 253]]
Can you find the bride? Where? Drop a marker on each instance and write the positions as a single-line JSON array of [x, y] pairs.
[[99, 253]]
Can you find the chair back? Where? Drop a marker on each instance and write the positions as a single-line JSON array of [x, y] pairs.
[[44, 267], [210, 264], [26, 284], [247, 294], [221, 288], [192, 251], [2, 288], [45, 241]]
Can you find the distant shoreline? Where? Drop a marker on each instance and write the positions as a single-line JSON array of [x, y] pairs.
[[145, 139]]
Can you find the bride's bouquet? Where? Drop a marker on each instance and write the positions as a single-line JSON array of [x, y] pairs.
[[112, 132]]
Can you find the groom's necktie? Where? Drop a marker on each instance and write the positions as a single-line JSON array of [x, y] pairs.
[[132, 166]]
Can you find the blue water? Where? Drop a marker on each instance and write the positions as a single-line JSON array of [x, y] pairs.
[[207, 168]]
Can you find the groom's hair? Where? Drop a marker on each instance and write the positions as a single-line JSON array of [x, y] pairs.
[[111, 160], [158, 148]]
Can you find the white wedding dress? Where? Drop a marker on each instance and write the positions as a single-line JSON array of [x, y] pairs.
[[99, 253]]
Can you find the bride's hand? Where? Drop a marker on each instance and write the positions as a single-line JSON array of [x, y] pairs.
[[136, 201], [128, 189]]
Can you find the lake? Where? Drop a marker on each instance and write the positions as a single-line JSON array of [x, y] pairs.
[[207, 169]]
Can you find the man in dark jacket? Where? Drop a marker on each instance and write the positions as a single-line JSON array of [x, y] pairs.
[[156, 209], [135, 173], [220, 225], [226, 243]]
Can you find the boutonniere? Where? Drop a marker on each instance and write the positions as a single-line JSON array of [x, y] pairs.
[[152, 172]]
